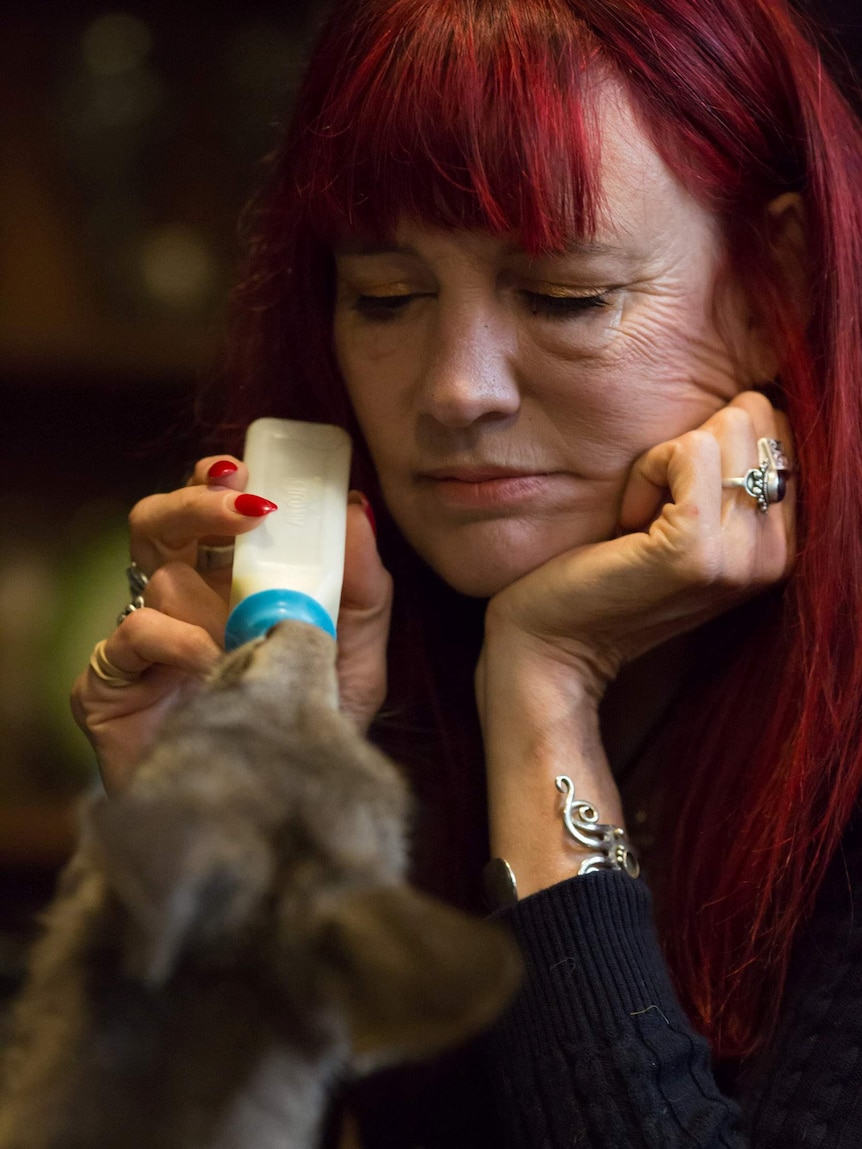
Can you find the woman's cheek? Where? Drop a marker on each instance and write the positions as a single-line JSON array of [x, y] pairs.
[[656, 379]]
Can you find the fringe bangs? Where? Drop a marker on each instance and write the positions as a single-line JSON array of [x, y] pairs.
[[479, 118]]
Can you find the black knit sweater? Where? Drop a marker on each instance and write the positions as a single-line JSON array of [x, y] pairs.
[[597, 1053]]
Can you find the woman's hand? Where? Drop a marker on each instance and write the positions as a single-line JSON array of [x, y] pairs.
[[687, 551], [677, 562], [177, 637]]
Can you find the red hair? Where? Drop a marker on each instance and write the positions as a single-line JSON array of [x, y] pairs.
[[476, 113]]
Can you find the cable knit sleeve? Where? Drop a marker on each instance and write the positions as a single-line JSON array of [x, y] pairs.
[[596, 1052]]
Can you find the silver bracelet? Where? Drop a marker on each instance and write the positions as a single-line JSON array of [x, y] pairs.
[[610, 848]]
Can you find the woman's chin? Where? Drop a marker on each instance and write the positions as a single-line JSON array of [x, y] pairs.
[[479, 559], [483, 574], [478, 584]]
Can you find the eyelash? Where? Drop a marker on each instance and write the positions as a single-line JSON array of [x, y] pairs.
[[563, 306], [385, 307], [382, 307]]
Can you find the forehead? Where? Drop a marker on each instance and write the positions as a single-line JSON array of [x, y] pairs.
[[643, 212], [640, 198]]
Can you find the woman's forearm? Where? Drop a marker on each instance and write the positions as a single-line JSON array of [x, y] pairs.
[[538, 722]]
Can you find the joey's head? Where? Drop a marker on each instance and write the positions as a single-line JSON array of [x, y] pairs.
[[295, 658], [380, 967]]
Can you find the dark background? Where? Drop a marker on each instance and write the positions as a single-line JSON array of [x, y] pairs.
[[130, 137]]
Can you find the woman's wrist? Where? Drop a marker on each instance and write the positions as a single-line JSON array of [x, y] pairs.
[[526, 825], [539, 721]]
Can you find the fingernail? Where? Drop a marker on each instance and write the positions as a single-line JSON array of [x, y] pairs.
[[358, 497], [253, 506], [221, 468]]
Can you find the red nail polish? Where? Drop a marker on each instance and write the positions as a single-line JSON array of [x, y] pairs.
[[221, 468], [369, 511], [253, 506]]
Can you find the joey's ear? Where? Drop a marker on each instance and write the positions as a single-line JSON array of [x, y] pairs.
[[413, 974], [181, 875]]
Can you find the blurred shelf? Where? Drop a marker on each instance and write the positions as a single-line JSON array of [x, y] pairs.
[[117, 353], [39, 837]]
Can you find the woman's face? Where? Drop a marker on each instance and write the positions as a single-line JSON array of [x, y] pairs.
[[504, 398]]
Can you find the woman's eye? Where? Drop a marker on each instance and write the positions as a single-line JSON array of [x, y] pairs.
[[563, 305], [382, 307]]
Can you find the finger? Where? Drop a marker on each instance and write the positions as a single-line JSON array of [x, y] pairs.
[[167, 527], [363, 619], [770, 422], [737, 427], [752, 544], [758, 545], [182, 593], [219, 471], [748, 418], [741, 546], [688, 469], [367, 584], [148, 637], [736, 434]]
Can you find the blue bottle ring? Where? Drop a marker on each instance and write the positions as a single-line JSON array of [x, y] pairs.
[[258, 614]]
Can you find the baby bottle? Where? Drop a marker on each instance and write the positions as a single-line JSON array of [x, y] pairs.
[[292, 564]]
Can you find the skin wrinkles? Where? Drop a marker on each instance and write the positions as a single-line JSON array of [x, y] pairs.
[[473, 367]]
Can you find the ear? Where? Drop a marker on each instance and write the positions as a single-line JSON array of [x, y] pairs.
[[785, 222], [413, 974], [787, 247], [182, 876]]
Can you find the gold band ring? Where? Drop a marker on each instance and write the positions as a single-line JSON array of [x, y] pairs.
[[103, 668]]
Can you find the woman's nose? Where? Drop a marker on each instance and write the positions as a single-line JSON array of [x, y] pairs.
[[469, 371]]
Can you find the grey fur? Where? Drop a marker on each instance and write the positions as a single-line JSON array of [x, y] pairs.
[[235, 930]]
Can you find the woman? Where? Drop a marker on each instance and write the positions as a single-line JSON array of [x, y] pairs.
[[569, 270]]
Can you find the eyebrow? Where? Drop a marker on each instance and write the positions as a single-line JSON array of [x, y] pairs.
[[371, 247], [572, 247]]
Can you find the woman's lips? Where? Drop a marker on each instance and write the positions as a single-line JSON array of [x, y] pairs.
[[478, 488]]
